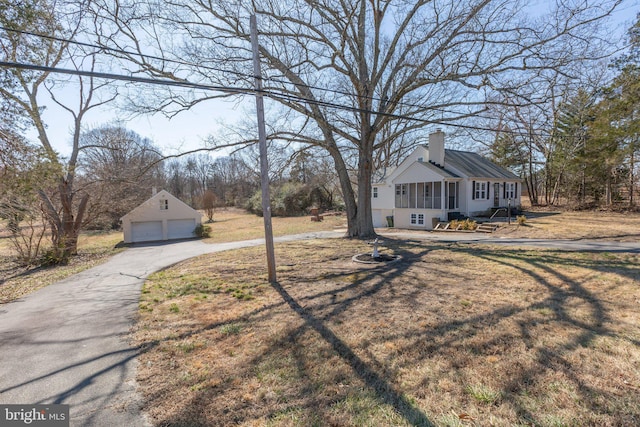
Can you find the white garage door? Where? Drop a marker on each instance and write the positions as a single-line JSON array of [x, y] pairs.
[[146, 231], [181, 228]]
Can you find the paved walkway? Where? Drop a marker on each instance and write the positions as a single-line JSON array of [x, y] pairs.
[[66, 343], [583, 245]]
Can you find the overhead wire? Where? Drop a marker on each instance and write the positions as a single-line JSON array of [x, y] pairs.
[[233, 90], [221, 70]]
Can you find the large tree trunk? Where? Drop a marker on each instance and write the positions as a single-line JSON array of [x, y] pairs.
[[348, 196], [364, 219], [65, 225]]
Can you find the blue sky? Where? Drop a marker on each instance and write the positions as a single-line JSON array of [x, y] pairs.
[[183, 132], [187, 130]]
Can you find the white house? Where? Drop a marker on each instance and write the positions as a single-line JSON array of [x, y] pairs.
[[435, 184], [162, 217]]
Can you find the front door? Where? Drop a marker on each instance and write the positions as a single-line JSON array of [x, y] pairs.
[[496, 194], [453, 194]]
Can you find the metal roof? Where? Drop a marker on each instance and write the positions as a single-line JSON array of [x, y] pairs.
[[473, 165], [442, 171]]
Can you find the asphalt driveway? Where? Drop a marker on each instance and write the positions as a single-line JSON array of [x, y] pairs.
[[67, 343]]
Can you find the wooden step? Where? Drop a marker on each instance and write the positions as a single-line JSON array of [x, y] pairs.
[[486, 228]]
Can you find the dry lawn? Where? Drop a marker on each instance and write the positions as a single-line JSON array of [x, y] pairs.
[[452, 335], [576, 225], [17, 281], [231, 225]]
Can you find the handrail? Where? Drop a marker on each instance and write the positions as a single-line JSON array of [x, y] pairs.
[[496, 212]]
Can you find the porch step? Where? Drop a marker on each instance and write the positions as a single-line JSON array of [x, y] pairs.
[[442, 226], [486, 228]]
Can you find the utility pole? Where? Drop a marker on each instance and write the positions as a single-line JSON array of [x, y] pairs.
[[264, 165]]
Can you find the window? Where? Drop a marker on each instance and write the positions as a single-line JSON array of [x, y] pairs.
[[417, 219], [164, 204], [420, 198], [509, 190], [375, 192], [451, 194], [402, 196], [412, 195], [405, 196], [437, 195], [420, 195], [481, 190]]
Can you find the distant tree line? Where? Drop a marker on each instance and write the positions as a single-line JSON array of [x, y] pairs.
[[121, 169]]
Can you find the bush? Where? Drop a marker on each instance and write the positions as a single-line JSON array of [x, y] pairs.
[[54, 256], [521, 219], [202, 231], [289, 199], [466, 224]]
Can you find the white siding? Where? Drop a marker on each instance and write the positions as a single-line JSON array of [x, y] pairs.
[[380, 217], [385, 195], [417, 173], [402, 218], [162, 217]]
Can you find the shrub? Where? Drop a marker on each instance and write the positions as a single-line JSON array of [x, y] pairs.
[[466, 224], [202, 231], [484, 394], [231, 329], [288, 199], [521, 219]]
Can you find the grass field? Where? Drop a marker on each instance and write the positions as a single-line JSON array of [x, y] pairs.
[[453, 335], [577, 225], [17, 280], [231, 225]]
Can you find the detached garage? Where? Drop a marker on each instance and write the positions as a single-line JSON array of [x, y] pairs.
[[162, 217]]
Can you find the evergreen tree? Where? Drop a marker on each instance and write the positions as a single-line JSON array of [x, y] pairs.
[[617, 126]]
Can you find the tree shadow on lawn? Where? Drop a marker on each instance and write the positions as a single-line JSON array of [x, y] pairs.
[[319, 311], [12, 270], [560, 299], [315, 311]]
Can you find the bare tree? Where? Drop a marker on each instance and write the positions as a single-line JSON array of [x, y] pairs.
[[58, 21], [209, 202], [359, 76], [119, 168], [23, 168], [525, 135], [232, 180]]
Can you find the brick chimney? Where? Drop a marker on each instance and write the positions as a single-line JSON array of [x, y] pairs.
[[436, 147]]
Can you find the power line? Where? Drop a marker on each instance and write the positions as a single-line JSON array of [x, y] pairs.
[[122, 51], [111, 76], [234, 91], [206, 67]]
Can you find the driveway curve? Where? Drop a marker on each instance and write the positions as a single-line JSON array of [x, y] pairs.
[[67, 343]]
